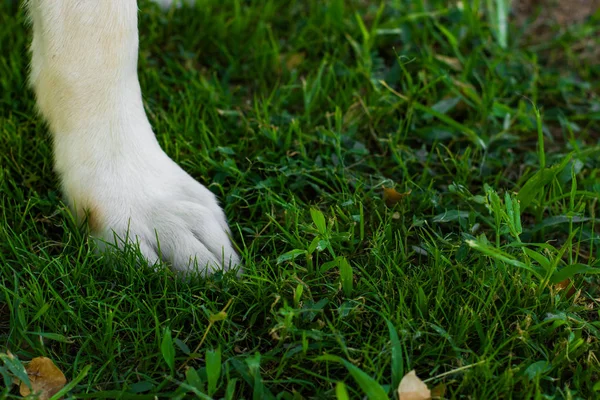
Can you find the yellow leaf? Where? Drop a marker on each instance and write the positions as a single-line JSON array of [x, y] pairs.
[[46, 379], [412, 388], [391, 196]]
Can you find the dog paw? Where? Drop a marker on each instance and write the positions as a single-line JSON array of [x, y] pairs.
[[152, 203]]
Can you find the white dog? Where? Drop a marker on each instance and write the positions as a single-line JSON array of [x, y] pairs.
[[112, 169]]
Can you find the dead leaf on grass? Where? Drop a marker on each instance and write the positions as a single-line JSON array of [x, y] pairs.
[[391, 196], [413, 388], [562, 285], [46, 379]]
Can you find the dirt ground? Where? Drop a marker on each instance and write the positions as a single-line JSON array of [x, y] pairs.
[[542, 20], [544, 13]]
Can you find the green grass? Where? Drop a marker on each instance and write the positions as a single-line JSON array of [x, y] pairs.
[[296, 114]]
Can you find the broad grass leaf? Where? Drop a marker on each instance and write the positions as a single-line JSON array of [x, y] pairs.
[[259, 391], [193, 379], [346, 276], [397, 359], [543, 261], [537, 368], [213, 369], [168, 350], [445, 105], [298, 294], [290, 255], [230, 391], [45, 377], [6, 376], [15, 367], [500, 255], [370, 386], [341, 393], [451, 215], [571, 270], [319, 220], [182, 346], [141, 387], [413, 388], [43, 309], [536, 183]]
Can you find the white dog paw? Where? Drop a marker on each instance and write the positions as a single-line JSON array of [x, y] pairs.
[[152, 203]]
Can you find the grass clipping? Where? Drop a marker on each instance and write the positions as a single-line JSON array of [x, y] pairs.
[[45, 377]]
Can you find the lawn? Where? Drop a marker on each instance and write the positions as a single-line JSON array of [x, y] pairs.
[[413, 185]]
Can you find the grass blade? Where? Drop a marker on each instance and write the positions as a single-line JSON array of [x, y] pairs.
[[538, 181], [168, 350], [572, 270], [341, 393], [397, 359], [346, 276], [370, 386], [213, 369]]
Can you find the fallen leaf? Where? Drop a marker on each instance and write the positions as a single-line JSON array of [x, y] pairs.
[[46, 379], [565, 284], [391, 196], [412, 388]]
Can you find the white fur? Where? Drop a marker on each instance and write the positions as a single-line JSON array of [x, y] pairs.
[[84, 74]]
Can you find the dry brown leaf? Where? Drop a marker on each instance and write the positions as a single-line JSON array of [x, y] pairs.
[[391, 196], [412, 388], [46, 379], [562, 285]]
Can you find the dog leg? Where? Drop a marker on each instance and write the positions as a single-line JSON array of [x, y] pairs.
[[112, 169]]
